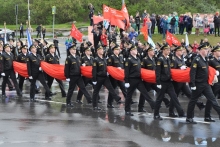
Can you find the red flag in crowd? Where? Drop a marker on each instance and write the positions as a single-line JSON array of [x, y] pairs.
[[170, 39], [97, 19], [117, 22], [106, 12], [75, 33], [126, 15], [144, 30]]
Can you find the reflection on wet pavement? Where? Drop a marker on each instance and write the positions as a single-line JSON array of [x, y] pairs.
[[46, 123]]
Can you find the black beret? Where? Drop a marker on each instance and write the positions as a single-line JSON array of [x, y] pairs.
[[6, 45], [98, 47], [32, 46], [24, 47], [72, 47], [150, 48], [51, 46], [216, 48], [36, 40], [205, 46], [178, 48], [159, 44], [174, 45], [87, 49], [116, 47], [88, 43], [133, 47], [45, 41], [166, 46]]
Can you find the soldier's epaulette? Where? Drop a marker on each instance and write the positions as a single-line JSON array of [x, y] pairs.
[[112, 55], [161, 57], [69, 56], [129, 58], [145, 57], [197, 58]]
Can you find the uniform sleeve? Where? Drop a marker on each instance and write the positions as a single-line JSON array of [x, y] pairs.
[[19, 58], [158, 71], [2, 63], [127, 70], [193, 70], [110, 60], [29, 66], [143, 63], [94, 70], [67, 68]]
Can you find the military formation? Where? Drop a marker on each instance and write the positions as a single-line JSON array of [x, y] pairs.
[[128, 56]]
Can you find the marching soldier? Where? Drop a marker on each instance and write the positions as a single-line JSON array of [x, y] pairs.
[[133, 80], [7, 70], [35, 73], [73, 76], [178, 63], [86, 60], [100, 77], [45, 48], [52, 58], [116, 60], [199, 85], [164, 84], [39, 47], [149, 63], [22, 58]]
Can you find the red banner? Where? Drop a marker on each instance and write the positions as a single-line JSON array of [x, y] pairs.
[[170, 39], [97, 19], [144, 30], [20, 68], [125, 13], [117, 22], [75, 33]]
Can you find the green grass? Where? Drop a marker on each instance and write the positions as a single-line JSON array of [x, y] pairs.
[[50, 27], [159, 38]]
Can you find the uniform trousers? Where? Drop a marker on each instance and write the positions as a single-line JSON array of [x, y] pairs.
[[167, 87], [205, 89], [137, 83], [50, 82], [76, 80]]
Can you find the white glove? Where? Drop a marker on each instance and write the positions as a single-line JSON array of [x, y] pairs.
[[107, 74], [185, 59], [40, 69], [94, 83], [193, 88], [127, 85], [119, 67], [83, 64], [30, 77], [68, 79], [3, 74], [159, 86], [183, 67], [217, 73]]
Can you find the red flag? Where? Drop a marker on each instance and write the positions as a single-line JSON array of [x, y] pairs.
[[125, 13], [97, 19], [117, 22], [20, 68], [106, 12], [170, 39], [75, 33], [144, 30]]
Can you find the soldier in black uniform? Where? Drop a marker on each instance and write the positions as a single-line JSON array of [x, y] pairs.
[[116, 60], [164, 83], [13, 48], [45, 48], [22, 58], [7, 70], [149, 63], [199, 84], [100, 77], [178, 63], [52, 58], [35, 73], [39, 47], [125, 51], [18, 46], [73, 76], [133, 80], [215, 63]]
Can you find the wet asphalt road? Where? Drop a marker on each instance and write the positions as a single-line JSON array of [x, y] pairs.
[[25, 124]]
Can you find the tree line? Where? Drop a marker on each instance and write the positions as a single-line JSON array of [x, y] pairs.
[[77, 10]]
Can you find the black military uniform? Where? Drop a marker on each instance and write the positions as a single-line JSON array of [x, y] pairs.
[[150, 64], [178, 63], [116, 61], [199, 85], [35, 73], [8, 70], [88, 61], [45, 48], [163, 79], [73, 73], [39, 48], [22, 58], [100, 76], [54, 59], [133, 77]]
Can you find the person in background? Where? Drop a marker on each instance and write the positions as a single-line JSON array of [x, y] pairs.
[[21, 29], [43, 31], [217, 23], [56, 44], [137, 21], [68, 43]]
